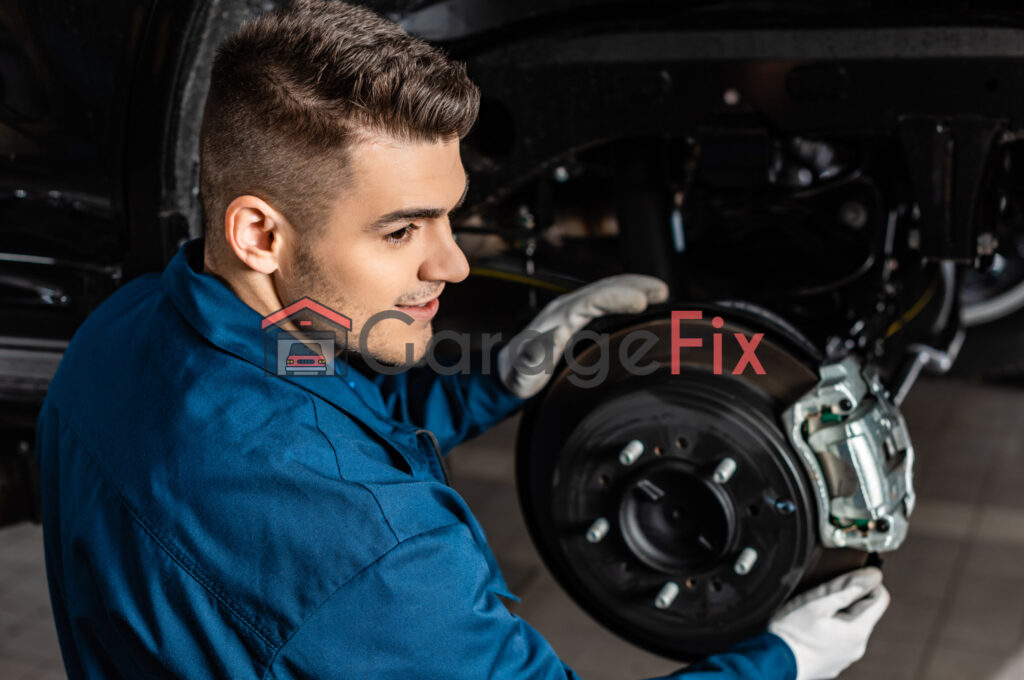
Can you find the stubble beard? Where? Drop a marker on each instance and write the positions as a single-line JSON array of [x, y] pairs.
[[312, 281]]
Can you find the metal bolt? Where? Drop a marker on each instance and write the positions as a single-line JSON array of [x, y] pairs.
[[785, 507], [725, 470], [914, 239], [597, 530], [631, 451], [745, 562], [561, 174], [998, 264], [987, 243], [853, 214], [882, 525], [526, 218], [845, 405], [667, 595]]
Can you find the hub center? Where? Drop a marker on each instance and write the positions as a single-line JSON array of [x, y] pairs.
[[674, 520]]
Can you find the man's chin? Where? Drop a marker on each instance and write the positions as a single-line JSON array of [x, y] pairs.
[[393, 362], [398, 357]]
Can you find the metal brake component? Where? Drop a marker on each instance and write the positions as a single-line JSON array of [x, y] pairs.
[[927, 357], [671, 506], [855, 446]]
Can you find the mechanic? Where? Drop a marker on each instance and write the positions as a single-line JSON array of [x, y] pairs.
[[205, 518]]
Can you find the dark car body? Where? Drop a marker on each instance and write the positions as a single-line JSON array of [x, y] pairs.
[[847, 167]]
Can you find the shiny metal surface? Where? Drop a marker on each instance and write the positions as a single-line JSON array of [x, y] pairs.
[[856, 449]]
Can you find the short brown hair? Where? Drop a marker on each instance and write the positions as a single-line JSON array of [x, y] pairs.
[[293, 89]]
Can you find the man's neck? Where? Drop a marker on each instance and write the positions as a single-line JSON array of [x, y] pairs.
[[253, 288]]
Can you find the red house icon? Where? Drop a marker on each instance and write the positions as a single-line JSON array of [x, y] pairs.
[[302, 304]]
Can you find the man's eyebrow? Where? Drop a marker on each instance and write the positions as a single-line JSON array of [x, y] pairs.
[[411, 214], [406, 215]]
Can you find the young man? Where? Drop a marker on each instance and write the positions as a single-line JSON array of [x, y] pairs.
[[207, 519]]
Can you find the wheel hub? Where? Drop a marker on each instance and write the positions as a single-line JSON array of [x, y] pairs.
[[671, 506], [674, 519]]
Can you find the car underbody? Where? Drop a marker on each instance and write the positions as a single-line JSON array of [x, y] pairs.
[[841, 183]]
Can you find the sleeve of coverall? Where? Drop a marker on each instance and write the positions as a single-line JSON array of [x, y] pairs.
[[454, 407], [425, 610]]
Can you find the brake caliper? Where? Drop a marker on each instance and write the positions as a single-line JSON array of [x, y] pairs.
[[854, 444]]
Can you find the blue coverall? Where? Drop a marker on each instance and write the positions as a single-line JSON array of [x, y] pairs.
[[205, 519]]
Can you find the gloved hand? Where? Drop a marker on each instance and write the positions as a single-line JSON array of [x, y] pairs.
[[828, 627], [524, 362]]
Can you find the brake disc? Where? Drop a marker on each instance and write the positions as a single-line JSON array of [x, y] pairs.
[[671, 506]]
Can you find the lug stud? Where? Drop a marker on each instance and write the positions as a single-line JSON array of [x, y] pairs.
[[745, 562], [598, 530], [631, 451], [725, 470], [667, 595]]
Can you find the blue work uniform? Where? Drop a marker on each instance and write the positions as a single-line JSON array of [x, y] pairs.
[[204, 518]]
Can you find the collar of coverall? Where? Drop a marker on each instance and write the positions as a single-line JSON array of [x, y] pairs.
[[221, 317]]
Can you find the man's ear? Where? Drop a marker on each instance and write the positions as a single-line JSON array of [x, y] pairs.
[[253, 230]]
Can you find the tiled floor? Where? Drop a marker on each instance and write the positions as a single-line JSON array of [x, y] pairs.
[[28, 640], [957, 584]]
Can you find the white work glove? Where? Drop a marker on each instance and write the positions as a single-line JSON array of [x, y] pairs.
[[525, 364], [828, 627]]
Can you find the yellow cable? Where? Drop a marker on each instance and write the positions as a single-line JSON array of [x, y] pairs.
[[925, 298], [518, 278]]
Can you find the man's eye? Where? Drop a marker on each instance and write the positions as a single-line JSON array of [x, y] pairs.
[[402, 235]]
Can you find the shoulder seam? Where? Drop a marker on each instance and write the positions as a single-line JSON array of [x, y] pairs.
[[354, 576], [384, 516], [316, 422]]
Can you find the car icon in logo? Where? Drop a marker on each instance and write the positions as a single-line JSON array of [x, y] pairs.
[[305, 359]]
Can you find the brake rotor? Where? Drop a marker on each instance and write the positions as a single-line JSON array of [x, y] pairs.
[[670, 506]]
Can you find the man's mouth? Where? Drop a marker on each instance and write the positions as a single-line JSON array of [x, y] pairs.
[[423, 311]]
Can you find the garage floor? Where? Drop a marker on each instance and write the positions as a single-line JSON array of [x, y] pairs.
[[957, 584]]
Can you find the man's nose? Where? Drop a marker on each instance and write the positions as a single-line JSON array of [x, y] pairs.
[[444, 261]]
